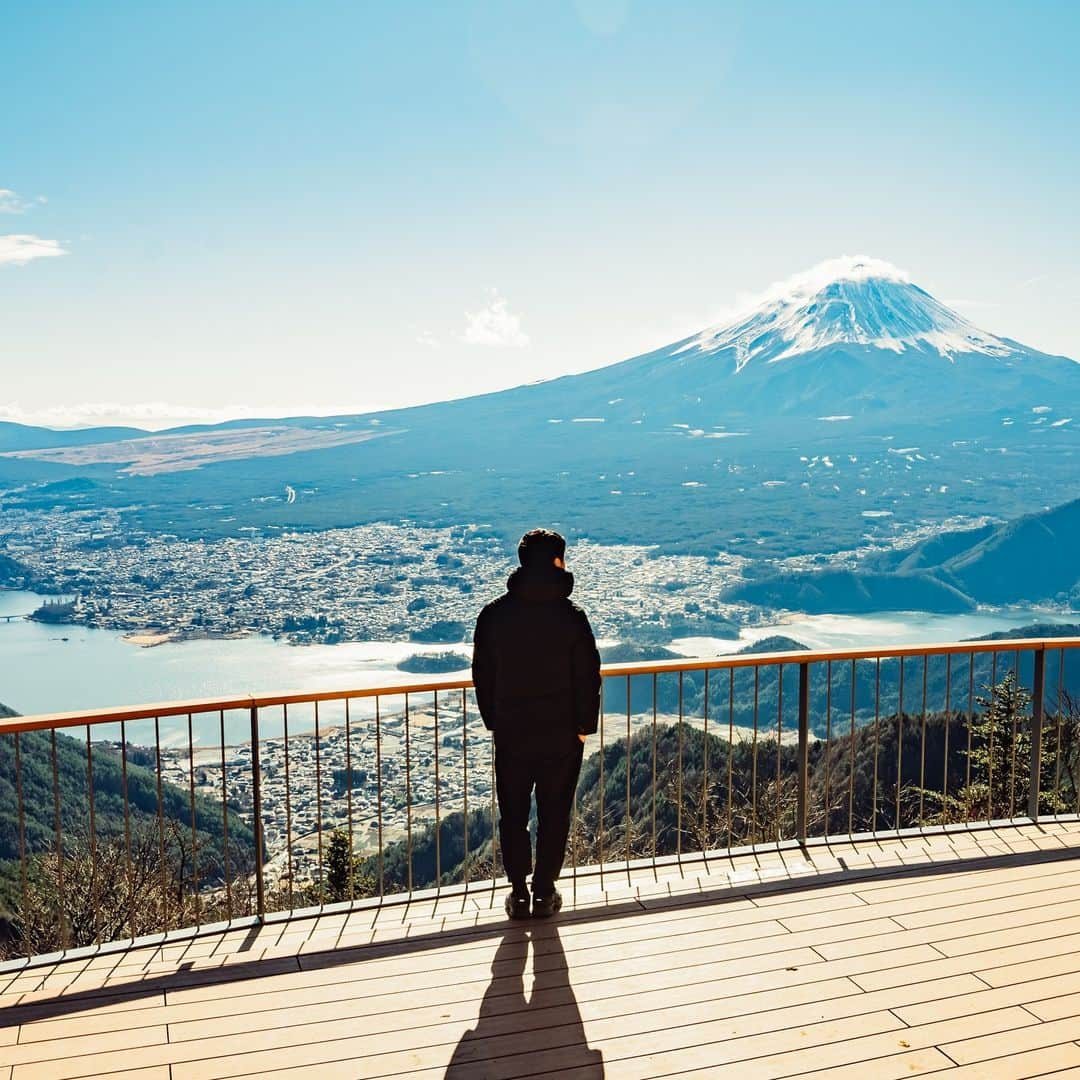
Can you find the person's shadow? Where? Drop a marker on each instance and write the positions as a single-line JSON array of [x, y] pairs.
[[545, 1030]]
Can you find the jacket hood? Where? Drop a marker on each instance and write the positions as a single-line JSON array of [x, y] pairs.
[[540, 585]]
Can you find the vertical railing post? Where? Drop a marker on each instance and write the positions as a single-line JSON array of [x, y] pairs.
[[1038, 689], [256, 807], [804, 751]]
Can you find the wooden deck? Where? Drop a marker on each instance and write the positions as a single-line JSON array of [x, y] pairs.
[[951, 955]]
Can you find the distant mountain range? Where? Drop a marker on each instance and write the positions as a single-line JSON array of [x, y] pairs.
[[850, 403]]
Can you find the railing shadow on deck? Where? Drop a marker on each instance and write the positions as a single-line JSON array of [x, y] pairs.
[[514, 940]]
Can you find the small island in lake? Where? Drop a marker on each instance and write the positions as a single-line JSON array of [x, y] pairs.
[[434, 663]]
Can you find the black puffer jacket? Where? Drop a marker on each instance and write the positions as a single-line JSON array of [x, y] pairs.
[[535, 664]]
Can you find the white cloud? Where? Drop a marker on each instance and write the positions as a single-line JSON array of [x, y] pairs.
[[803, 285], [10, 203], [426, 337], [19, 248], [494, 324], [13, 203]]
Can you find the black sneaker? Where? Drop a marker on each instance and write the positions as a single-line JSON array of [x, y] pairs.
[[546, 906], [517, 905]]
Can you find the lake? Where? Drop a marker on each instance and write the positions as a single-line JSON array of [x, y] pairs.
[[66, 668]]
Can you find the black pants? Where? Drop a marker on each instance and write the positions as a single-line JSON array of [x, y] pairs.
[[554, 776]]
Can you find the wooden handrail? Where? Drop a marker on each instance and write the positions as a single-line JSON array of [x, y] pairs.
[[92, 717]]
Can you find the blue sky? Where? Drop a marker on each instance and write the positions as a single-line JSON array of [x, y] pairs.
[[276, 208]]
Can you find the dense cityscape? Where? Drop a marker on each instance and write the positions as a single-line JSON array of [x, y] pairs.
[[372, 582], [309, 793]]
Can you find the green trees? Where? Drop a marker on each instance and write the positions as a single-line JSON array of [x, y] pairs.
[[997, 774], [346, 875]]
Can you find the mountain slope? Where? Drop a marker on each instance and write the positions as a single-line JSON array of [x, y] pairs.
[[26, 437], [39, 825], [848, 403], [1033, 558], [845, 592]]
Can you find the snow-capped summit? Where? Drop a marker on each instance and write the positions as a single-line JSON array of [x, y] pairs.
[[846, 301]]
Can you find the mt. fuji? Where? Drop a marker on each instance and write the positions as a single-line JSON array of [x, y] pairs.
[[859, 301], [844, 405], [854, 337]]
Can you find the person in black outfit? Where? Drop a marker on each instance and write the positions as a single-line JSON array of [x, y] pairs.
[[537, 676]]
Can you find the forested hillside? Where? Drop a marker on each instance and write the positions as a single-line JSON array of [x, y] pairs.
[[116, 850], [736, 696]]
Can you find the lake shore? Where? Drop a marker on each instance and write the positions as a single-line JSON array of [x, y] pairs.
[[71, 668]]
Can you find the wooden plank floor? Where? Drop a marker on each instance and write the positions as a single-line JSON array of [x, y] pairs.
[[953, 956]]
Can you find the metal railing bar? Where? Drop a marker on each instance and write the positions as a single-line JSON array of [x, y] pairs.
[[1075, 777], [318, 808], [245, 702], [379, 797], [877, 740], [160, 821], [627, 759], [993, 723], [851, 762], [948, 727], [1012, 743], [408, 797], [1038, 690], [819, 655], [348, 798], [730, 752], [679, 779], [970, 725], [575, 839], [922, 742], [127, 826], [438, 829], [225, 822], [802, 761], [828, 746], [288, 805], [24, 886], [754, 760], [194, 828], [256, 814], [600, 826], [494, 811], [705, 779], [95, 885], [1057, 752], [779, 745], [899, 744], [654, 679], [61, 911], [465, 779]]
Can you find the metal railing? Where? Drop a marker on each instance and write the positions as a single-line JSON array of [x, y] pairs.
[[164, 817]]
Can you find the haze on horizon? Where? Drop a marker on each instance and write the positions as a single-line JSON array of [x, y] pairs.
[[273, 210]]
